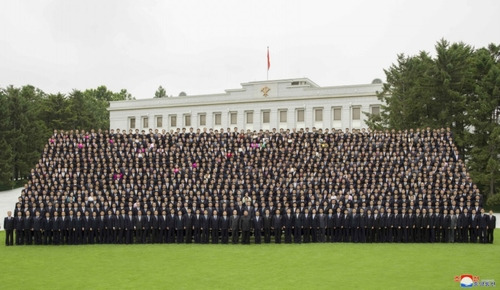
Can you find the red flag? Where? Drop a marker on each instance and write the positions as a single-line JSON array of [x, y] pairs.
[[268, 60]]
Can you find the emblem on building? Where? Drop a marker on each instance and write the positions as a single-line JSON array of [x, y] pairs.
[[265, 91]]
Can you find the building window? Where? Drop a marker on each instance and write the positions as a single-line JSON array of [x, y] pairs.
[[337, 114], [283, 116], [132, 123], [266, 116], [249, 117], [203, 120], [376, 110], [318, 115], [159, 121], [187, 120], [233, 117], [145, 122], [300, 115], [356, 113], [173, 121], [217, 119]]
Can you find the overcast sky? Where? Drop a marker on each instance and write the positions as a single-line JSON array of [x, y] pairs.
[[208, 46]]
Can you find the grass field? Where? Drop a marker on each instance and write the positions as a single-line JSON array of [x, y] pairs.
[[305, 266]]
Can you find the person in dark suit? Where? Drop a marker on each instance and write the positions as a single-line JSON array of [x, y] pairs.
[[354, 226], [87, 226], [179, 227], [214, 227], [120, 227], [346, 227], [205, 227], [8, 226], [224, 228], [171, 226], [68, 225], [197, 223], [188, 226], [398, 227], [47, 227], [277, 226], [101, 230], [492, 224], [148, 227], [245, 227], [139, 228], [329, 226], [362, 226], [28, 228], [162, 227], [129, 228], [37, 228], [288, 226], [154, 227], [389, 226], [19, 226], [57, 228], [463, 226], [337, 227], [108, 227], [483, 227], [298, 225], [306, 226], [257, 225], [474, 226], [446, 226], [77, 227], [234, 227], [267, 225], [322, 226]]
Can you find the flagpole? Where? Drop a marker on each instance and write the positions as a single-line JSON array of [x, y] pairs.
[[268, 64]]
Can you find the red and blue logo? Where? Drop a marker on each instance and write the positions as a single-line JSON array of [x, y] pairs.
[[469, 281]]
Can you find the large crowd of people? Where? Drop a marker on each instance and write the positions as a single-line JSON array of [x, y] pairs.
[[231, 186]]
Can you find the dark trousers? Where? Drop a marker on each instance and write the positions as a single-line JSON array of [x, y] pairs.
[[258, 236], [288, 235], [267, 235], [224, 236], [314, 234], [197, 235], [9, 237], [235, 236], [19, 237], [189, 235], [38, 237], [47, 237], [28, 235], [245, 237], [321, 235], [215, 236], [297, 237], [307, 235], [277, 236], [180, 236], [490, 235], [329, 235]]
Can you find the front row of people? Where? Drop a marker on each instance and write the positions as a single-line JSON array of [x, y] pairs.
[[348, 226]]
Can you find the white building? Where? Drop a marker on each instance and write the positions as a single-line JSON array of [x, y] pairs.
[[287, 103]]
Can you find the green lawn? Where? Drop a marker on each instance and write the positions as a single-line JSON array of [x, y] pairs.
[[310, 266]]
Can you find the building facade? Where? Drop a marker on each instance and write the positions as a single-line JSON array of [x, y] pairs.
[[281, 104]]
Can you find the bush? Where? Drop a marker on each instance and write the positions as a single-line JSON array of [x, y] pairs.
[[493, 202]]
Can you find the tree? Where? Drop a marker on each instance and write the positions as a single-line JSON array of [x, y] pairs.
[[160, 93], [458, 88]]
